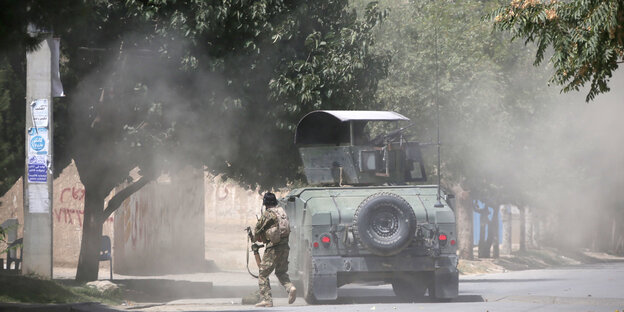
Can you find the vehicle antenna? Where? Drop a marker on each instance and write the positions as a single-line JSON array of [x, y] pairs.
[[438, 204]]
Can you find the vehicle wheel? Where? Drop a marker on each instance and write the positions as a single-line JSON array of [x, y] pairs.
[[308, 281], [409, 289], [385, 223]]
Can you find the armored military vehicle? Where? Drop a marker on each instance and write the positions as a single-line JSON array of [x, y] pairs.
[[362, 222]]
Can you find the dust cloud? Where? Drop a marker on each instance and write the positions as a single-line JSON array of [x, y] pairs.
[[559, 156], [507, 136]]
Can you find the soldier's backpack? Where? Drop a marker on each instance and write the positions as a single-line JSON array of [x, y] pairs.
[[281, 229]]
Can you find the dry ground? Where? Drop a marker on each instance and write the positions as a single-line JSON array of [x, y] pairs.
[[533, 259]]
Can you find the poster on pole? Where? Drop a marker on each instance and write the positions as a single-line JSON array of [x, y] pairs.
[[38, 198], [37, 169], [38, 147], [38, 142], [40, 112]]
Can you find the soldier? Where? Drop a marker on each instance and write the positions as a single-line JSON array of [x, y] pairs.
[[276, 252]]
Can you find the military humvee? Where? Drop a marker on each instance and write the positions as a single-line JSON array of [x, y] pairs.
[[362, 222]]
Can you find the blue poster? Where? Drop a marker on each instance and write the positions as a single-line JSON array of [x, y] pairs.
[[37, 173], [38, 142]]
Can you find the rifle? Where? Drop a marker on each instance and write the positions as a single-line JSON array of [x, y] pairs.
[[255, 247], [390, 136]]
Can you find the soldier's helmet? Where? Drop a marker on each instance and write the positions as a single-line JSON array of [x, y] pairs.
[[269, 199]]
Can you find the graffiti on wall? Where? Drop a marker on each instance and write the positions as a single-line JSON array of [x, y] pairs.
[[133, 220], [72, 196], [228, 203]]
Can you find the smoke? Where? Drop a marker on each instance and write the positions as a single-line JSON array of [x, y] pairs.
[[507, 136], [559, 156], [137, 108], [581, 156]]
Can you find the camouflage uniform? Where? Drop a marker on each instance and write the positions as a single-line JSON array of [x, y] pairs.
[[275, 257]]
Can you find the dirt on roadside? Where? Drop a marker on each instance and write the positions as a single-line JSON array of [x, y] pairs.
[[533, 259]]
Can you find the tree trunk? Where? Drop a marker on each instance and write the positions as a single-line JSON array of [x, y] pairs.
[[530, 243], [494, 227], [538, 229], [522, 229], [484, 248], [88, 262], [463, 213], [506, 248]]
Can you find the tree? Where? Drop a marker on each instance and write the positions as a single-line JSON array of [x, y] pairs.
[[15, 40], [587, 38], [485, 93], [181, 89], [156, 85], [12, 111]]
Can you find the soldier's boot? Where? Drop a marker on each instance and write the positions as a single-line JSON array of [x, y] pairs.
[[264, 303], [292, 294]]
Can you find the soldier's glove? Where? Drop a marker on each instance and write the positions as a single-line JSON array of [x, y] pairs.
[[255, 247]]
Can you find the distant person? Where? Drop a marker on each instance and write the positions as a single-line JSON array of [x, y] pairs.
[[273, 229]]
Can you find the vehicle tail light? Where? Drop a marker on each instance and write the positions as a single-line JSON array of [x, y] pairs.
[[316, 244], [326, 240], [452, 242], [442, 239]]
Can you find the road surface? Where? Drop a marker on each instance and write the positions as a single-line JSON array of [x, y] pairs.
[[596, 287]]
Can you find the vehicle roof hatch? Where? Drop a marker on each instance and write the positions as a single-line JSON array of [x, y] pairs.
[[333, 126]]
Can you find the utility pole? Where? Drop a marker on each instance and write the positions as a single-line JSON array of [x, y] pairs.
[[38, 178]]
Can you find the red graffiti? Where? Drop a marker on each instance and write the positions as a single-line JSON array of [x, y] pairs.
[[138, 227], [70, 214], [226, 191], [76, 193]]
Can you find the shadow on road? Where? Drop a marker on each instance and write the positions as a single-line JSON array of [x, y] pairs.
[[394, 299], [165, 290], [509, 280], [366, 295]]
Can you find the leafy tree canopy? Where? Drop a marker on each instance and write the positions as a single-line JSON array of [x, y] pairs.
[[161, 84], [487, 92], [587, 38]]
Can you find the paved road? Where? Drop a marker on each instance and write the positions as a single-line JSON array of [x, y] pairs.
[[598, 287]]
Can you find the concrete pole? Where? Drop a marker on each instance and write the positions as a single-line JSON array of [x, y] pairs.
[[522, 229], [38, 181]]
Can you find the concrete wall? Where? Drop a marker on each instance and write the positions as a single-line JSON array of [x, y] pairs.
[[68, 210], [160, 229], [11, 208], [173, 223], [229, 209]]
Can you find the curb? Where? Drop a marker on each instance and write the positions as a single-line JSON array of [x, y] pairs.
[[71, 307]]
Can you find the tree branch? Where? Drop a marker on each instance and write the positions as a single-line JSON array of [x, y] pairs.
[[116, 201]]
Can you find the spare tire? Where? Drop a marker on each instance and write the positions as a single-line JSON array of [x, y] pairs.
[[384, 223]]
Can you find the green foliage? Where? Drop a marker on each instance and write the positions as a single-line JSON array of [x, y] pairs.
[[17, 16], [263, 64], [587, 38], [12, 111], [485, 93], [229, 63], [335, 69], [162, 84]]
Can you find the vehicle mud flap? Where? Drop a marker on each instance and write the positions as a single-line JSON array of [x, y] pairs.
[[325, 287], [323, 278], [445, 283]]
